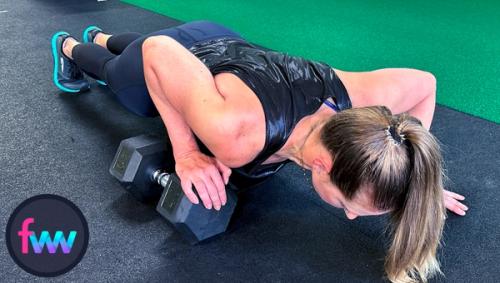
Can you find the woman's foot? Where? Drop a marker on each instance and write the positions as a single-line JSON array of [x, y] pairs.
[[67, 76], [90, 33], [94, 34], [67, 46]]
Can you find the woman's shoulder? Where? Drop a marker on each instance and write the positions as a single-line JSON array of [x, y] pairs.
[[244, 115]]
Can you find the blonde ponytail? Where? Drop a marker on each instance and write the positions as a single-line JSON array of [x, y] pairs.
[[418, 224], [402, 162]]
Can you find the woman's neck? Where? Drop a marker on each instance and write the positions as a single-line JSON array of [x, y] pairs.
[[304, 136]]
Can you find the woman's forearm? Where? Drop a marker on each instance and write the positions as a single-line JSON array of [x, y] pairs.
[[179, 132], [424, 110]]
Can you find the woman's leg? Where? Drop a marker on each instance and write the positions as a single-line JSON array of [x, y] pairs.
[[124, 73], [89, 57], [116, 43]]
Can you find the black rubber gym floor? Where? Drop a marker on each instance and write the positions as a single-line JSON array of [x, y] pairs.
[[53, 142]]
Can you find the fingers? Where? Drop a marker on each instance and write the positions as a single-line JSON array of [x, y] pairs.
[[453, 205], [207, 175], [203, 193], [220, 187], [187, 187], [211, 189], [225, 171], [462, 206], [212, 192], [454, 195], [452, 202]]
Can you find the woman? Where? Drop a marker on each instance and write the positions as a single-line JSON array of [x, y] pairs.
[[255, 110]]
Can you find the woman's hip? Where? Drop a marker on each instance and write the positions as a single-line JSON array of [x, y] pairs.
[[192, 33]]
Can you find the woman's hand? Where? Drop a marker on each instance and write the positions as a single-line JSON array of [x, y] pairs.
[[452, 202], [207, 174]]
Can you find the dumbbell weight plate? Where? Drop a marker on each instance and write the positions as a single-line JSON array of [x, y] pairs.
[[194, 221], [135, 161]]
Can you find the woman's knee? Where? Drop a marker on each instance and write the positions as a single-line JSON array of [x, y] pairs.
[[125, 70]]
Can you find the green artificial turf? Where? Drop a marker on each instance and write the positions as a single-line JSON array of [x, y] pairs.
[[458, 41]]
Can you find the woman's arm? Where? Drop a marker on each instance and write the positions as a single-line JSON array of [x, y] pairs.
[[184, 93], [424, 110], [180, 135], [182, 83], [400, 89]]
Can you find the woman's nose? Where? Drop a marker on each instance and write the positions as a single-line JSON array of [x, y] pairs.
[[350, 216]]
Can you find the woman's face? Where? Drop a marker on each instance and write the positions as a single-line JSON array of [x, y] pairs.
[[319, 161], [361, 205]]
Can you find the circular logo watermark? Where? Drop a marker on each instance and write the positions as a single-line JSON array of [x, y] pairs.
[[47, 235]]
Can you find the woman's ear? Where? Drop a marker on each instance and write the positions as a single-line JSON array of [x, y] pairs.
[[319, 166], [323, 162]]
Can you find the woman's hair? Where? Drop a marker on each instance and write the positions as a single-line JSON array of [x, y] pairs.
[[401, 164]]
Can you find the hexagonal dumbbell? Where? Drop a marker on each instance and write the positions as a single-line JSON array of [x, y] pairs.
[[136, 160], [142, 163], [194, 221]]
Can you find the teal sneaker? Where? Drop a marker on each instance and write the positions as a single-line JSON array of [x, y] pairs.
[[67, 76], [90, 33]]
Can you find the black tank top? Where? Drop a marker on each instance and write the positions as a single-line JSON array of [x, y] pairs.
[[288, 87]]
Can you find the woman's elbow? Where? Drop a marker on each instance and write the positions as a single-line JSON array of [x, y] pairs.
[[430, 84], [424, 109], [234, 151]]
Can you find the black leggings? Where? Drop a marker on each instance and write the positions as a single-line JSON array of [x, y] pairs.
[[120, 65]]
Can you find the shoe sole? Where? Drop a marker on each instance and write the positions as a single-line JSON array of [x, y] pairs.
[[56, 63], [85, 36]]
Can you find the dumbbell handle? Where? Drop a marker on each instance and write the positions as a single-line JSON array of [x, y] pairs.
[[161, 178]]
